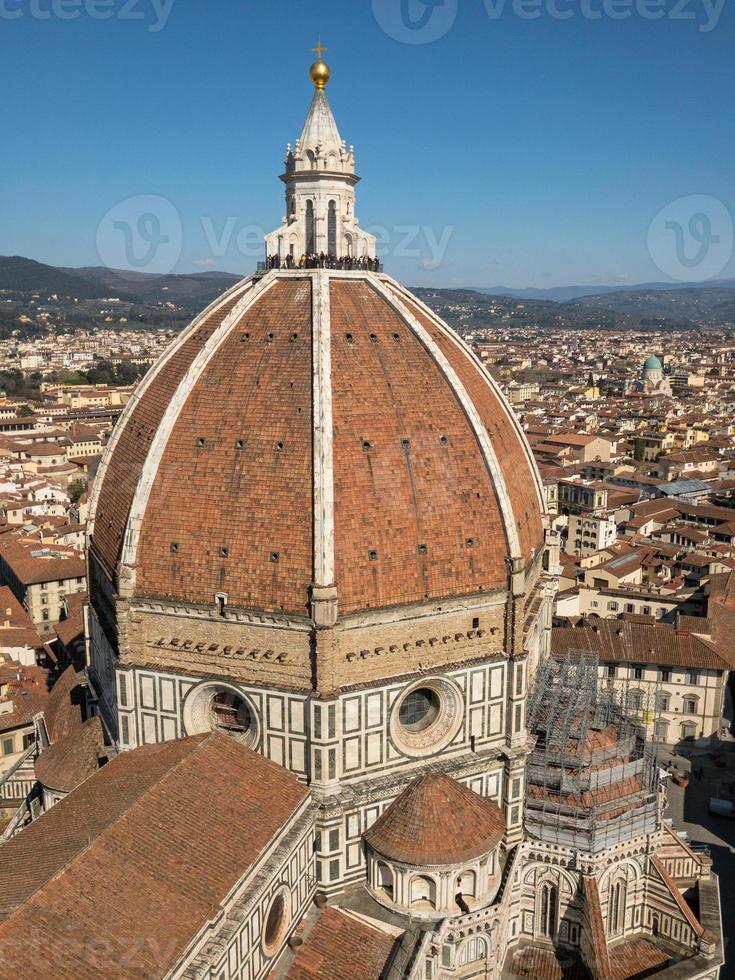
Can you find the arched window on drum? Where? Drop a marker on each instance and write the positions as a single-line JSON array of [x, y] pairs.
[[332, 228], [310, 228]]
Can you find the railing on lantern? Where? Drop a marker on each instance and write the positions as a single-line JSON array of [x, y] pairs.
[[348, 264]]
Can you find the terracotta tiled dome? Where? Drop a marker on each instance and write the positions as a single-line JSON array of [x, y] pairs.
[[437, 821], [316, 428]]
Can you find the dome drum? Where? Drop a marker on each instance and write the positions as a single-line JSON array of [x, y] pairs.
[[434, 851], [434, 892]]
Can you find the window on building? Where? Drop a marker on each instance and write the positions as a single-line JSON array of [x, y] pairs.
[[616, 910], [332, 228], [688, 731], [310, 228], [230, 714], [419, 709], [611, 671], [638, 673], [646, 610], [423, 890], [7, 746], [635, 700], [665, 676], [690, 706], [548, 905], [612, 606], [385, 879], [473, 950], [692, 678], [274, 923], [629, 607], [661, 731], [664, 702]]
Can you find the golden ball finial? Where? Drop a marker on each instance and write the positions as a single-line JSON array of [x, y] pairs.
[[319, 71]]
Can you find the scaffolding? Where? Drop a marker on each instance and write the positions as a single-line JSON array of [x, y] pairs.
[[592, 776]]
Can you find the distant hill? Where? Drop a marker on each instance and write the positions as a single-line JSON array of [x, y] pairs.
[[674, 309], [25, 275], [468, 310], [146, 297], [707, 306], [562, 294], [193, 290], [144, 287]]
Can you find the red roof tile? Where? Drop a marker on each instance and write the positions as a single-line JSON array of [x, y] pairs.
[[416, 511], [149, 846], [340, 947], [437, 821]]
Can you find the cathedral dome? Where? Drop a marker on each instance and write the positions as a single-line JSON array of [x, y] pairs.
[[316, 429], [652, 363], [437, 821]]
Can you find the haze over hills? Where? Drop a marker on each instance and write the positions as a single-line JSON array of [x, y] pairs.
[[468, 310], [97, 282], [75, 297], [701, 304], [561, 294]]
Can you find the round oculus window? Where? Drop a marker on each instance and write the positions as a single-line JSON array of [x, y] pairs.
[[426, 717], [221, 708], [419, 709], [276, 923], [230, 714]]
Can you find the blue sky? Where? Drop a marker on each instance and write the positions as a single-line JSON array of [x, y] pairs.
[[501, 145]]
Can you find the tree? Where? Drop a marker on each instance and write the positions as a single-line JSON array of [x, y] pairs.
[[24, 411], [639, 450], [75, 490]]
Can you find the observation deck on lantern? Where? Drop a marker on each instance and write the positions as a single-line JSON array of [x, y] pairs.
[[346, 264]]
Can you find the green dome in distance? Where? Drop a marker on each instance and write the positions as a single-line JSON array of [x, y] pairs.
[[652, 364]]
